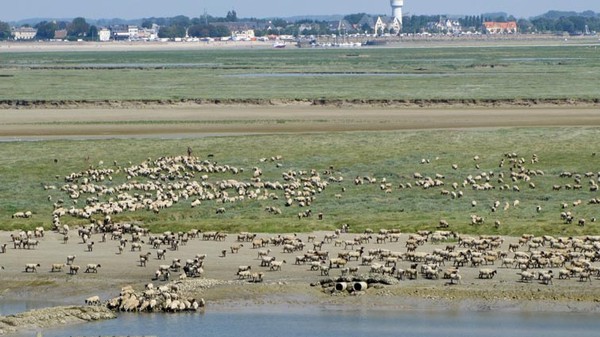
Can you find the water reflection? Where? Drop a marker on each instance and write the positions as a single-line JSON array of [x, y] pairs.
[[317, 322]]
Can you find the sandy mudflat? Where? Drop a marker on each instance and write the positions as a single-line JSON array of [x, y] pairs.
[[203, 120]]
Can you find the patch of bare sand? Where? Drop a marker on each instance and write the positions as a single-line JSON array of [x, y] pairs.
[[215, 119]]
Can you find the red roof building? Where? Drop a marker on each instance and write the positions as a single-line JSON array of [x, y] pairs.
[[500, 27]]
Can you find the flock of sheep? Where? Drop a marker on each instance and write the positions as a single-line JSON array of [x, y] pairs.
[[98, 195], [424, 257]]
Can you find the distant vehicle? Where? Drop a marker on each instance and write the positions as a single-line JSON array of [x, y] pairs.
[[279, 45]]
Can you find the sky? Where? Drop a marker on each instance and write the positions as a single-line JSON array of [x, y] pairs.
[[134, 9]]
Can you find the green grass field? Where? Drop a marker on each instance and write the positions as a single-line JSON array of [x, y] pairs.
[[490, 73], [27, 166]]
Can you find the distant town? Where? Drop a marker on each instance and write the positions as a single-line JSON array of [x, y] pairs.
[[231, 28]]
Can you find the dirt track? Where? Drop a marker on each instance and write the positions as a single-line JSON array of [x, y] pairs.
[[239, 119]]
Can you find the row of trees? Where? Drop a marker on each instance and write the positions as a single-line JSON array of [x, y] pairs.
[[76, 29], [571, 24]]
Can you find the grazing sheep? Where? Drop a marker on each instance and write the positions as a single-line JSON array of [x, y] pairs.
[[57, 267], [235, 248], [546, 278], [31, 267], [73, 269], [265, 261], [455, 278], [257, 277], [92, 268], [276, 265], [487, 273], [243, 268], [246, 274], [527, 276], [94, 300], [585, 276], [90, 246], [338, 262], [136, 245], [411, 273], [31, 243], [24, 215], [564, 274]]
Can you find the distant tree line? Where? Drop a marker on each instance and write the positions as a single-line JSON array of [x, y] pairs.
[[570, 24]]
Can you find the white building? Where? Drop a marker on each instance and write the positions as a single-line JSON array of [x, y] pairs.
[[134, 32], [104, 35], [244, 35], [389, 25], [24, 33]]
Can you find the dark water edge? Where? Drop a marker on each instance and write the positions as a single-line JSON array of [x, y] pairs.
[[317, 321]]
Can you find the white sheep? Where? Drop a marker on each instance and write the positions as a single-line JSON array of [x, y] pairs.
[[276, 265], [257, 277], [455, 278], [73, 269], [527, 276], [24, 215], [265, 261], [31, 267], [92, 268], [94, 300], [546, 277], [487, 273], [243, 268], [246, 274], [57, 267]]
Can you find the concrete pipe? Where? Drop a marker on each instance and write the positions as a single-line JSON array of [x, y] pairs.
[[341, 286], [360, 286]]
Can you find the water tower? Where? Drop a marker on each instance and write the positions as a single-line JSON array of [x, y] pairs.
[[397, 8]]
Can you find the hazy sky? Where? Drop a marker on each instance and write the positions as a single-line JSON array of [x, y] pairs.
[[131, 9]]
